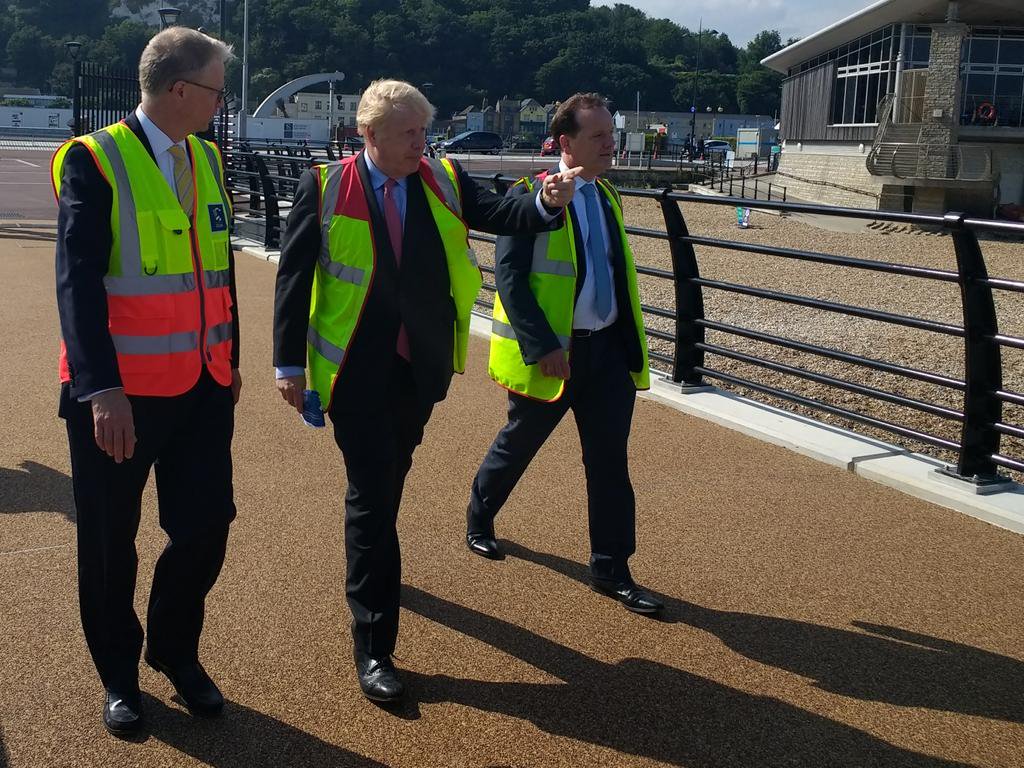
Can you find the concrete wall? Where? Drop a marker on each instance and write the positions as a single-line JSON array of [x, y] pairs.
[[831, 174], [35, 117]]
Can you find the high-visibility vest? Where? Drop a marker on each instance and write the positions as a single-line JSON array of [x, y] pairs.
[[168, 282], [348, 258], [552, 281]]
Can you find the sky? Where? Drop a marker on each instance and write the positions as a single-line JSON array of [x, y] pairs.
[[742, 19]]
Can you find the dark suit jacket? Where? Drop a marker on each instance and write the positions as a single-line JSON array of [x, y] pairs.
[[83, 256], [513, 259], [417, 294]]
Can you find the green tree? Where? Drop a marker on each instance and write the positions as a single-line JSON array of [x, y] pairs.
[[33, 54]]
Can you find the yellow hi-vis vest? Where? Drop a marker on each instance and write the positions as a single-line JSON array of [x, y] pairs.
[[553, 283], [348, 257], [168, 280]]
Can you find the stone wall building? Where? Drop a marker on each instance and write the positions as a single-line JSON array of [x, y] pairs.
[[912, 105]]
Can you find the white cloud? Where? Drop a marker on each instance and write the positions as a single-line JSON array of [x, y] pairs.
[[742, 19]]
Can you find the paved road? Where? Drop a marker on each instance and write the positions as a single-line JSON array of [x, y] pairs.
[[25, 190]]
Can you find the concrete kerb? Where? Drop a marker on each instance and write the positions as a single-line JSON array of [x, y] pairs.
[[875, 460]]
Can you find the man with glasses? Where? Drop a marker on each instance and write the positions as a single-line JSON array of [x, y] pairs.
[[149, 367]]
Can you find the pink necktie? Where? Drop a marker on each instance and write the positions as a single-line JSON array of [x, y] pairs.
[[394, 222]]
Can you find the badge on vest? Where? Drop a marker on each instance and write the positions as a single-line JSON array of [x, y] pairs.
[[218, 219]]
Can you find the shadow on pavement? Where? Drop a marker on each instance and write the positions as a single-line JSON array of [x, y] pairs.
[[244, 738], [881, 663], [4, 762], [644, 708], [36, 488]]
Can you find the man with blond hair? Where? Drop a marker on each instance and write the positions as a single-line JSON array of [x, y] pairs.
[[149, 367], [377, 244]]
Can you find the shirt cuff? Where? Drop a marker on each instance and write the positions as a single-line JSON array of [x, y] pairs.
[[87, 398], [286, 371], [543, 210]]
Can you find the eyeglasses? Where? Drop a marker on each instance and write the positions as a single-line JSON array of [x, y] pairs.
[[221, 92]]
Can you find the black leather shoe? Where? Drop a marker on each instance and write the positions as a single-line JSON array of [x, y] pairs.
[[484, 544], [480, 538], [629, 594], [200, 694], [122, 712], [378, 678]]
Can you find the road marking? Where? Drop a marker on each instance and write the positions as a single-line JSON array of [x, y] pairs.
[[24, 162]]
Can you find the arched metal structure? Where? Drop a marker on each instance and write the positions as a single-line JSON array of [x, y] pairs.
[[289, 89]]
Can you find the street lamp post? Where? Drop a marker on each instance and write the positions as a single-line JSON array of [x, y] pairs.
[[168, 17], [696, 79], [73, 47]]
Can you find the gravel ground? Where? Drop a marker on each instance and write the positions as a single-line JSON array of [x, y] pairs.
[[929, 299]]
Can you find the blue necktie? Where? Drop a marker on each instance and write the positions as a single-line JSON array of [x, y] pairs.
[[598, 253]]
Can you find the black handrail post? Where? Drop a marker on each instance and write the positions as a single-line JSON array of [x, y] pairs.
[[689, 299], [982, 363], [500, 185], [271, 231]]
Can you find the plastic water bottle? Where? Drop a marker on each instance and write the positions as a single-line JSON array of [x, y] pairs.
[[312, 413]]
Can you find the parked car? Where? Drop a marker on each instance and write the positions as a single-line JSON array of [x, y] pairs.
[[473, 141], [549, 147], [716, 145]]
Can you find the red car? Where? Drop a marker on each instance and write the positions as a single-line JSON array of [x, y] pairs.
[[549, 147]]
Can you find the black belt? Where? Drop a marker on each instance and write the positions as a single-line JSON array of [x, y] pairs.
[[585, 333]]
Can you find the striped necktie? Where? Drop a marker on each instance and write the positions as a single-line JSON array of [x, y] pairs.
[[183, 181]]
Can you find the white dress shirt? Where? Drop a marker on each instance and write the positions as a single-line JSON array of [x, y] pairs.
[[586, 315], [160, 143]]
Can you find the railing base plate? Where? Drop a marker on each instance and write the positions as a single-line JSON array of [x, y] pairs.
[[689, 389], [982, 486]]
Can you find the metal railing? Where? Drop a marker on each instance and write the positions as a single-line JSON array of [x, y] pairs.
[[962, 162], [980, 419]]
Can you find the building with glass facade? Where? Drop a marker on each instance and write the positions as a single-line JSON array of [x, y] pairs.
[[909, 105]]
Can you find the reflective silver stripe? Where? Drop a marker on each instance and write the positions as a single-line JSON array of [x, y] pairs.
[[211, 156], [217, 278], [444, 183], [505, 331], [543, 265], [218, 333], [328, 203], [156, 345], [342, 272], [149, 285], [333, 353], [131, 248]]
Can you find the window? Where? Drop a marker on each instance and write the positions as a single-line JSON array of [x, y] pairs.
[[992, 77], [353, 106], [303, 107], [865, 72], [352, 122], [318, 105]]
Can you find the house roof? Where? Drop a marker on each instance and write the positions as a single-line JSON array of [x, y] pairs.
[[883, 12]]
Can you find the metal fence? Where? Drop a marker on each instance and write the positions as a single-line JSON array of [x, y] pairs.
[[979, 421], [102, 95]]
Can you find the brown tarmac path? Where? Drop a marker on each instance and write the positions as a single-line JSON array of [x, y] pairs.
[[814, 618]]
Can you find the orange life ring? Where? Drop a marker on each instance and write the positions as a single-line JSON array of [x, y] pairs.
[[986, 112]]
